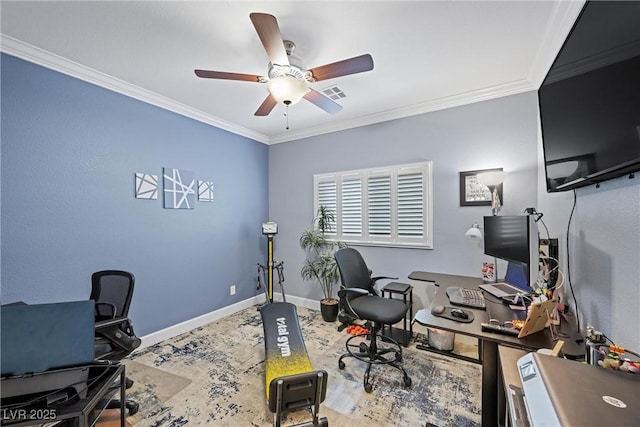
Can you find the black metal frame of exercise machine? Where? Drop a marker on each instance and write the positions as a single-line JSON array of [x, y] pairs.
[[270, 229]]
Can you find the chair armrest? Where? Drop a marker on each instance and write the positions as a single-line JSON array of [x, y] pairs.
[[352, 291], [374, 279], [110, 323], [119, 333]]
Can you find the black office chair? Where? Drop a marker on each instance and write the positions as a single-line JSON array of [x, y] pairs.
[[359, 297], [115, 339]]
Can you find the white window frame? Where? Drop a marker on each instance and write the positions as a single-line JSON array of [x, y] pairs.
[[418, 217]]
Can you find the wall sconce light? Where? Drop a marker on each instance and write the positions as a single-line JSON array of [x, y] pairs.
[[474, 232]]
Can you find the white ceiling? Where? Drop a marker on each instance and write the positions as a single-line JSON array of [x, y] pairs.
[[428, 55]]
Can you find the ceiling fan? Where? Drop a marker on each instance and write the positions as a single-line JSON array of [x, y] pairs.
[[287, 79]]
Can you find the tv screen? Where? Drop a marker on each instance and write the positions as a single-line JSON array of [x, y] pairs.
[[515, 239], [590, 99]]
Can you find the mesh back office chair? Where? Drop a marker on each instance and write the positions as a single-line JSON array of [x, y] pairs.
[[359, 297], [112, 291]]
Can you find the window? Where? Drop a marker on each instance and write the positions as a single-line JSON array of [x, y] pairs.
[[389, 206]]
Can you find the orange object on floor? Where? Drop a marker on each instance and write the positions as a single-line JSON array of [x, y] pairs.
[[357, 330]]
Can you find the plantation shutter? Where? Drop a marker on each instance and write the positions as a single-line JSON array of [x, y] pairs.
[[389, 206], [352, 205], [327, 197], [379, 204], [410, 205]]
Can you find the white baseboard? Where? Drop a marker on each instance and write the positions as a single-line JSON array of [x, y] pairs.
[[299, 301], [189, 325]]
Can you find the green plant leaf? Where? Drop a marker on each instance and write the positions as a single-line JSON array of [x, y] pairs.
[[320, 265]]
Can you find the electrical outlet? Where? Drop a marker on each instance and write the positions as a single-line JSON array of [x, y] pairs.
[[232, 290]]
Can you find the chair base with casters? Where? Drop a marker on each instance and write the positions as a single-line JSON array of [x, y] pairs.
[[359, 298], [372, 354]]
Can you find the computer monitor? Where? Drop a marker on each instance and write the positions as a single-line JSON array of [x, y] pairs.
[[514, 238]]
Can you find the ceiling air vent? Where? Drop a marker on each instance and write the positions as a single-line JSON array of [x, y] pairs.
[[334, 92]]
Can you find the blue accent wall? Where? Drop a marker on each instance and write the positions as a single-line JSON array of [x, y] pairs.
[[70, 151]]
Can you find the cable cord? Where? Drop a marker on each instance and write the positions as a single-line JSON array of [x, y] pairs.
[[626, 349], [573, 295], [545, 227], [545, 261], [546, 257]]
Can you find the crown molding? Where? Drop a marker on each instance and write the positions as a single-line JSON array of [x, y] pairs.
[[563, 16], [57, 63], [444, 103]]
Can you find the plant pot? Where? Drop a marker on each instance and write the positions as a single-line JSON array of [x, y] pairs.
[[329, 309]]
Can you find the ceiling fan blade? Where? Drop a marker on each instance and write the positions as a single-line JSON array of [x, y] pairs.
[[206, 74], [327, 104], [358, 64], [267, 28], [266, 106]]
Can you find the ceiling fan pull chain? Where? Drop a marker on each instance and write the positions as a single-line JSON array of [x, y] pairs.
[[286, 114]]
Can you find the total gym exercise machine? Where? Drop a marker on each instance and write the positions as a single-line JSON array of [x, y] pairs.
[[270, 229], [290, 381]]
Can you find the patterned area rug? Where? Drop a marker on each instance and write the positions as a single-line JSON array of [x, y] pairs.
[[214, 376]]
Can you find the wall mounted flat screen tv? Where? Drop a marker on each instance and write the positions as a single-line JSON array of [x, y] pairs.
[[514, 239], [590, 99]]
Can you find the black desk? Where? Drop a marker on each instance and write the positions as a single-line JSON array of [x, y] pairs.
[[488, 342], [444, 279], [84, 412]]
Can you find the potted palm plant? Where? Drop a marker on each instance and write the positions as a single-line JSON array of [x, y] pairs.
[[320, 265]]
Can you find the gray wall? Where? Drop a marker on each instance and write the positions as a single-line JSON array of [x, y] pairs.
[[604, 238], [498, 133], [603, 253]]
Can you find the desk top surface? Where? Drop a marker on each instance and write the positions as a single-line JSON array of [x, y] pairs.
[[444, 279], [542, 339], [509, 365]]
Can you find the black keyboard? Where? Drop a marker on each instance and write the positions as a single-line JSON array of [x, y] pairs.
[[466, 297]]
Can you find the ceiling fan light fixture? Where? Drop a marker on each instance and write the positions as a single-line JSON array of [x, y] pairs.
[[287, 90]]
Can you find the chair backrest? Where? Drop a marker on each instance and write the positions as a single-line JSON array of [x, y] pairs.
[[354, 272], [112, 288]]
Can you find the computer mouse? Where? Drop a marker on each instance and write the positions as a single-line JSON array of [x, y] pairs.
[[437, 309], [456, 312]]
